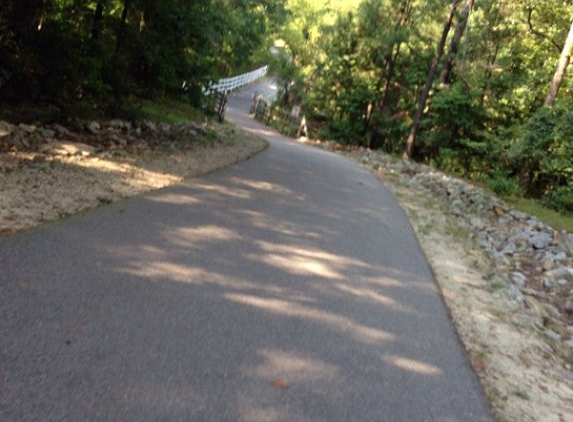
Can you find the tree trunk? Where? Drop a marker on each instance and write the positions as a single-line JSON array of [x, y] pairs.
[[97, 21], [403, 17], [389, 76], [429, 81], [121, 33], [387, 70], [454, 44], [561, 67]]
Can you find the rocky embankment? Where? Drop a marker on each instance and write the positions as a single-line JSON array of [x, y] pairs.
[[50, 171], [536, 259], [86, 138]]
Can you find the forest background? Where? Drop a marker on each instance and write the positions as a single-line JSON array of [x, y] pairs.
[[474, 87]]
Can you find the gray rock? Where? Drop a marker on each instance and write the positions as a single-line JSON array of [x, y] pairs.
[[547, 265], [515, 294], [62, 131], [477, 223], [509, 249], [540, 240], [47, 133], [518, 278], [27, 128], [547, 283], [518, 215], [567, 240], [71, 148], [119, 124], [148, 126], [565, 273], [94, 127], [496, 256], [199, 128], [6, 129], [24, 141], [552, 335], [536, 308]]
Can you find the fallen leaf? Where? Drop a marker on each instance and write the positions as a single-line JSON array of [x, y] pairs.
[[479, 366], [280, 383]]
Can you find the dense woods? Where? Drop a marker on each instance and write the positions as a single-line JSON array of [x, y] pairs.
[[477, 87], [98, 53]]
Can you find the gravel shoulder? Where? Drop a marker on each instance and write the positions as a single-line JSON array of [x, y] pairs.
[[526, 373], [524, 376], [527, 376]]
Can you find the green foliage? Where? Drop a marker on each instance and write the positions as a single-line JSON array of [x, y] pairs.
[[455, 144], [357, 68], [365, 66], [169, 111], [504, 186], [561, 198], [543, 156], [99, 53]]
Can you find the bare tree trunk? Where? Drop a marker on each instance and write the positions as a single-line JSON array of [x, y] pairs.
[[561, 68], [403, 17], [429, 81], [121, 33], [454, 44], [389, 76], [387, 70], [97, 21]]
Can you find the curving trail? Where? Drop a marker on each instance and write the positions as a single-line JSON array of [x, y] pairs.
[[286, 288]]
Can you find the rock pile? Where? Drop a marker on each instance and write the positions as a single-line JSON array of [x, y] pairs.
[[93, 136], [535, 260]]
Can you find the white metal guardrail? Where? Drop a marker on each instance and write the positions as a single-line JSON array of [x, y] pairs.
[[229, 84]]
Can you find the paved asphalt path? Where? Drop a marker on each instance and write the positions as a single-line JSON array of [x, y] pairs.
[[287, 288]]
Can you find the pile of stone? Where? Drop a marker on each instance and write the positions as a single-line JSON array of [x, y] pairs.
[[535, 260], [85, 138]]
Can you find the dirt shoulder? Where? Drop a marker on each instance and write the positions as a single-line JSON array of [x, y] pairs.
[[524, 366], [81, 170], [525, 375]]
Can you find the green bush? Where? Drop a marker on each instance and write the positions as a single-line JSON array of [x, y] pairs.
[[561, 199], [543, 156], [452, 136], [504, 186]]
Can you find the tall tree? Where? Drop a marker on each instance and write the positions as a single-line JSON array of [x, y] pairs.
[[429, 81], [455, 42], [122, 27], [561, 68]]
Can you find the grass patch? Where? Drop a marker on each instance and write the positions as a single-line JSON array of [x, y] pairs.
[[169, 111], [426, 228], [496, 285], [555, 219], [521, 394]]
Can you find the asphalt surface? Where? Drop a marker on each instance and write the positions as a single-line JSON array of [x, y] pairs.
[[286, 288]]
